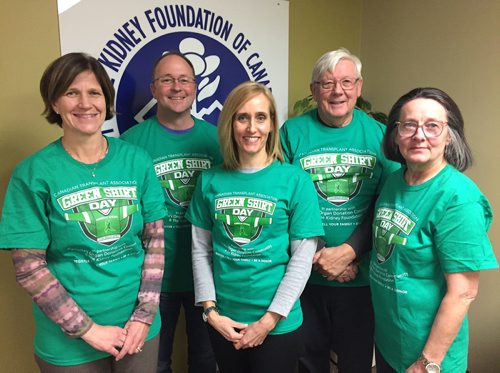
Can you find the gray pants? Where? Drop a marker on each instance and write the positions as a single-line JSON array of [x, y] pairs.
[[143, 362]]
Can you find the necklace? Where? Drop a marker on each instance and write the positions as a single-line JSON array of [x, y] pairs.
[[102, 153]]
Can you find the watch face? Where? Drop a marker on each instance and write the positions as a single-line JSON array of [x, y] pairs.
[[432, 368]]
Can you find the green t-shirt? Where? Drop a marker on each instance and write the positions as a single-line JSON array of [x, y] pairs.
[[347, 167], [422, 232], [252, 218], [91, 230], [178, 160]]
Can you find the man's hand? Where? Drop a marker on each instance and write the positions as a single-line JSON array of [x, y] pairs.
[[349, 274], [332, 262]]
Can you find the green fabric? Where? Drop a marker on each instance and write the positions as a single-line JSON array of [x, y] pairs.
[[347, 167], [178, 160], [252, 218], [420, 233], [91, 228]]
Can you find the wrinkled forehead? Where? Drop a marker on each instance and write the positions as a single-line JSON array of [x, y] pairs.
[[423, 108]]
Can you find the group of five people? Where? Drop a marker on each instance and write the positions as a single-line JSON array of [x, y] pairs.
[[280, 244]]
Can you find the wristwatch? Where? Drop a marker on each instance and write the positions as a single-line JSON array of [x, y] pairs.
[[430, 367], [207, 310]]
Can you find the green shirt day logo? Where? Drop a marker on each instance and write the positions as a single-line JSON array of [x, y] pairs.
[[244, 217], [178, 177], [338, 177], [104, 213], [387, 226]]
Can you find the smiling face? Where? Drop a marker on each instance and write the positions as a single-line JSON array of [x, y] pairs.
[[335, 106], [175, 98], [82, 106], [251, 128], [419, 151]]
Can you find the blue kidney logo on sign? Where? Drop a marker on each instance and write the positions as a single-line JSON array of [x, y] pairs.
[[225, 49], [217, 71]]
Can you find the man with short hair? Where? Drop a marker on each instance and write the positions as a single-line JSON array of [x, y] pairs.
[[181, 146], [339, 146]]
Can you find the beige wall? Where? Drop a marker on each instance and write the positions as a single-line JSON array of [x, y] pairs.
[[452, 44], [29, 40], [20, 106], [316, 27]]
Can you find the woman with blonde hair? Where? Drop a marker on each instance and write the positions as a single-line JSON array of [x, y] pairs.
[[255, 230]]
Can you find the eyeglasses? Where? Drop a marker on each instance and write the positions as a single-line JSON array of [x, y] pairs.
[[168, 80], [346, 83], [432, 128]]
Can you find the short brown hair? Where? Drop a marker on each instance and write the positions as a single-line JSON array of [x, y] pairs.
[[59, 75], [234, 101]]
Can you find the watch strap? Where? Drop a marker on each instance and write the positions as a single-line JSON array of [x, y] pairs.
[[207, 310], [430, 366]]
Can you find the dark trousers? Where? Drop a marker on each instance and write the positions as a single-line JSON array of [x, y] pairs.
[[278, 354], [143, 362], [339, 319], [382, 365], [201, 358]]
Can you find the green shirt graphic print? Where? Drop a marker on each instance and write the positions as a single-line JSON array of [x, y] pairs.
[[91, 228], [420, 233], [179, 158], [252, 218], [348, 169]]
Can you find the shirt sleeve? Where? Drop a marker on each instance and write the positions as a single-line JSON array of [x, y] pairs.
[[204, 287], [285, 145], [461, 238], [297, 273], [361, 239], [198, 212], [25, 221], [153, 198], [388, 167], [152, 273], [48, 293], [305, 218]]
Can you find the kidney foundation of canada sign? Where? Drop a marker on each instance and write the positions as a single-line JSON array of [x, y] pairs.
[[228, 42]]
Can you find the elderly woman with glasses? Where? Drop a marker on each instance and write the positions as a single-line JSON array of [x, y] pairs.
[[430, 239]]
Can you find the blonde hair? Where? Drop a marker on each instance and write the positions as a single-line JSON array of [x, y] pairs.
[[234, 101]]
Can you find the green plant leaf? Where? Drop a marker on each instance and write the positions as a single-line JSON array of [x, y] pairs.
[[307, 103]]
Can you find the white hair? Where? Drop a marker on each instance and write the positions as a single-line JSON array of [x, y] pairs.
[[329, 61]]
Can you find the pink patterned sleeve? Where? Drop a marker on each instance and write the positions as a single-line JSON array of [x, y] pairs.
[[48, 293], [152, 273]]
